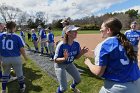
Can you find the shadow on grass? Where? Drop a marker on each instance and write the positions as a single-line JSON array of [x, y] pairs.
[[86, 72], [30, 76]]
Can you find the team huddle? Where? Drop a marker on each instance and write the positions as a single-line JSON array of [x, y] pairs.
[[115, 58]]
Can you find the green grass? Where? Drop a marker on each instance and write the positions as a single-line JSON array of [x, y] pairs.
[[58, 32]]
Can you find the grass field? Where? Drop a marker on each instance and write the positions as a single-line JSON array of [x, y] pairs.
[[38, 81]]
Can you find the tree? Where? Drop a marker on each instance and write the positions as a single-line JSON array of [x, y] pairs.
[[133, 14], [8, 12], [124, 18], [22, 19]]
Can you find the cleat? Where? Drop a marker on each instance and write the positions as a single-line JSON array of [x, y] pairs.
[[75, 90], [51, 59], [3, 91], [12, 79], [22, 90]]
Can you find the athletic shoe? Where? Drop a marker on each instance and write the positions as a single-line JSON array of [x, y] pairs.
[[41, 54], [12, 79], [3, 91], [51, 59], [75, 90], [23, 89]]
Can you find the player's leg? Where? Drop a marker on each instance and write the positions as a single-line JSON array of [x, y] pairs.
[[61, 76], [46, 48], [42, 47], [36, 46], [17, 65], [52, 50], [6, 66], [72, 70]]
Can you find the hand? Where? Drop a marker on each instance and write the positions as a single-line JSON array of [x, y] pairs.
[[66, 54], [87, 61], [84, 50]]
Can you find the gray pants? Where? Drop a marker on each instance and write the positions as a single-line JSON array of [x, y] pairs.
[[51, 47], [60, 70], [15, 62], [35, 44], [43, 43], [114, 87]]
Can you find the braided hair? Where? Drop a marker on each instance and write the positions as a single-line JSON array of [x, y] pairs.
[[115, 26]]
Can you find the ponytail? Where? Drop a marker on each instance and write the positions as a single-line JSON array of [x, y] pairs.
[[127, 46], [66, 38]]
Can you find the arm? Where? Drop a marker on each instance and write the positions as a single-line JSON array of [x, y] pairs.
[[62, 59], [97, 70], [22, 51], [82, 52]]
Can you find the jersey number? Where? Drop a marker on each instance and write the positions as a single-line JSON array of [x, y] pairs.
[[71, 59], [124, 60], [7, 44]]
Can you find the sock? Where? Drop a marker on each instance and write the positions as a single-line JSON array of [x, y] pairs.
[[74, 84], [42, 49], [46, 49], [4, 85], [52, 56], [59, 91], [36, 49], [4, 82], [21, 82]]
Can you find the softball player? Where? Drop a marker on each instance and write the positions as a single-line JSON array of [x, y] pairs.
[[11, 46], [42, 38], [133, 35], [22, 35], [65, 24], [115, 60], [34, 39], [50, 44], [66, 52]]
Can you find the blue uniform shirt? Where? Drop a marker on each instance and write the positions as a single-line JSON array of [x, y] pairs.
[[42, 33], [133, 37], [119, 68], [73, 51], [34, 37], [10, 45], [22, 33], [50, 37]]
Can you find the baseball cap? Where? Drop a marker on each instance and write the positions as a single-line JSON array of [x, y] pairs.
[[71, 28], [65, 20], [134, 22]]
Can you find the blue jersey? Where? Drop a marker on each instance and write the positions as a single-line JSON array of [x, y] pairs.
[[50, 37], [119, 68], [10, 44], [42, 34], [34, 37], [133, 37], [22, 33], [73, 51]]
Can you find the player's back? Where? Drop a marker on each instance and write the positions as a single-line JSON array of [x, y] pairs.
[[119, 67], [10, 44]]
